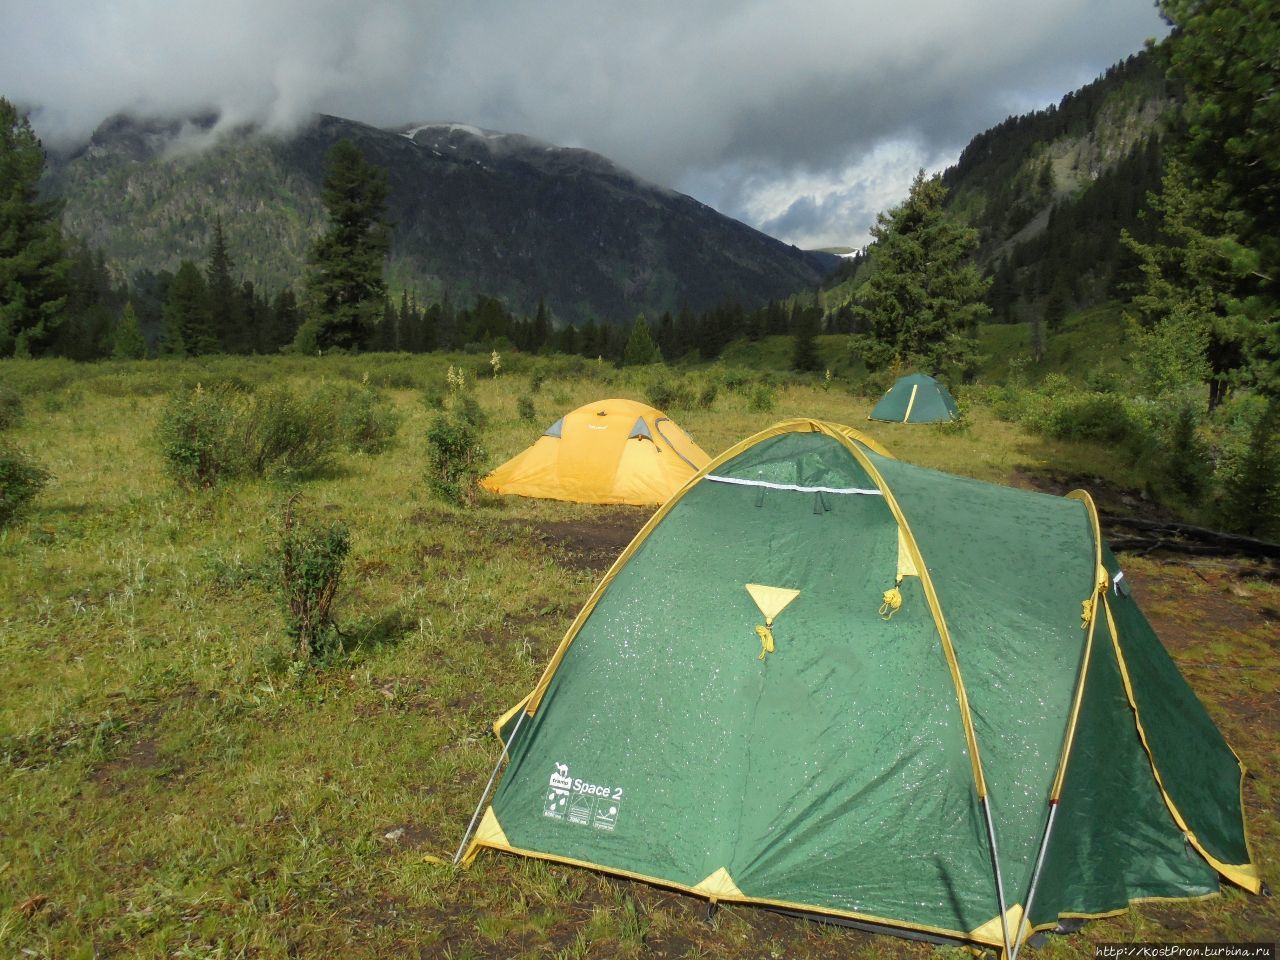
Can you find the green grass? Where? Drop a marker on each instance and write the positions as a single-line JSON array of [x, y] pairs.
[[171, 787]]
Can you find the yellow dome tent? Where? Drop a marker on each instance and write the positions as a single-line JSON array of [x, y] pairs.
[[611, 451]]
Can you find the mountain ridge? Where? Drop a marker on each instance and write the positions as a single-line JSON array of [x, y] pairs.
[[473, 211]]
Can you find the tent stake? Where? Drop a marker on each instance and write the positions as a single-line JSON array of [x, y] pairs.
[[1035, 874], [487, 787], [995, 860]]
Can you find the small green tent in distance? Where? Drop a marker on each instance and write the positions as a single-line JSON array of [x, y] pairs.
[[829, 682], [915, 398]]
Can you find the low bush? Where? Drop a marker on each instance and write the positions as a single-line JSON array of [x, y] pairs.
[[311, 556], [365, 420], [207, 435], [21, 478], [454, 458], [762, 399], [525, 408], [195, 434], [1100, 417], [10, 407], [665, 394], [1250, 481]]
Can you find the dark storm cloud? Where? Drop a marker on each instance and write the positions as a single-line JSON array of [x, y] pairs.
[[801, 117]]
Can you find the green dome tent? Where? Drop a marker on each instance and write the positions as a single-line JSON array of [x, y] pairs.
[[829, 682], [915, 398]]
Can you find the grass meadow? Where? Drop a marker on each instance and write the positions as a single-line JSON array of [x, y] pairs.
[[173, 784]]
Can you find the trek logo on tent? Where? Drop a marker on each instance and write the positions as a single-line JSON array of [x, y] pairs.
[[578, 802]]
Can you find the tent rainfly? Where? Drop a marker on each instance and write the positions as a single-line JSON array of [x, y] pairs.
[[829, 682], [611, 451], [915, 398]]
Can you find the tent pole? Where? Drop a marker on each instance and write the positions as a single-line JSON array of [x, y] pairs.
[[995, 860], [487, 787], [1035, 874]]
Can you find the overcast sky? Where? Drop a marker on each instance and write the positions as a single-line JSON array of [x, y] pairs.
[[801, 117]]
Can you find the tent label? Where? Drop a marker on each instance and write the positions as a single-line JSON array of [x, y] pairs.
[[576, 801]]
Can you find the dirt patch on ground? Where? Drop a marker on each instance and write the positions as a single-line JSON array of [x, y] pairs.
[[590, 544], [142, 757]]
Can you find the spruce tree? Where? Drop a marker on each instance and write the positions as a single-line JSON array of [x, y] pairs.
[[33, 264], [223, 306], [804, 350], [923, 300], [128, 342], [640, 348], [345, 286], [186, 314]]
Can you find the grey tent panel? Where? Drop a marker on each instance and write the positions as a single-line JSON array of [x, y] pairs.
[[555, 429], [641, 429]]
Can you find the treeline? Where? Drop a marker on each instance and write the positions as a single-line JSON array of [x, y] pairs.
[[202, 309]]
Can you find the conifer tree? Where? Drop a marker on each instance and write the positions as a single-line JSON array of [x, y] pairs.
[[186, 314], [128, 342], [33, 264], [345, 286], [804, 350], [1224, 53], [225, 320], [640, 348], [923, 300]]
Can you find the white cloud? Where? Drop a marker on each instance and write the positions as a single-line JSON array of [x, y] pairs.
[[739, 101]]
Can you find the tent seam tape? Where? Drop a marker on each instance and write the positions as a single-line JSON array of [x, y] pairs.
[[944, 634]]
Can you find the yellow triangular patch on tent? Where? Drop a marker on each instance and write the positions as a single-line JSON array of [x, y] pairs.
[[490, 831], [992, 931], [719, 885], [771, 600]]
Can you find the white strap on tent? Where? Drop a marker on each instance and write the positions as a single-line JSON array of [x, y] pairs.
[[791, 486]]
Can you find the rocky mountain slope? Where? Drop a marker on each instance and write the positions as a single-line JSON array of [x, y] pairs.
[[474, 211]]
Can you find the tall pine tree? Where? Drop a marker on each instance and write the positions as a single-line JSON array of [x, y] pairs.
[[923, 300], [345, 286], [33, 264]]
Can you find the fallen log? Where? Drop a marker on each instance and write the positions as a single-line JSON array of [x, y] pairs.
[[1184, 538]]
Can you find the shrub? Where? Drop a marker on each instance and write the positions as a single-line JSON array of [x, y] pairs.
[[669, 394], [21, 478], [525, 408], [468, 408], [208, 435], [365, 420], [762, 399], [1184, 463], [454, 458], [707, 396], [311, 558], [1101, 417], [1250, 502], [10, 407], [195, 434], [282, 434]]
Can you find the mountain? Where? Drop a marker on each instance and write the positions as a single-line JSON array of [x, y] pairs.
[[1050, 191], [474, 211]]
